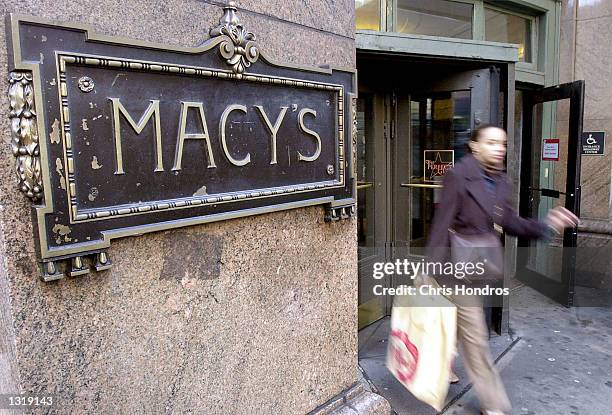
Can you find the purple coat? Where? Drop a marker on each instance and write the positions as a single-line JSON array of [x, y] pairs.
[[468, 207]]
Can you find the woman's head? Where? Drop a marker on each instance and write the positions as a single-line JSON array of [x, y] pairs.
[[488, 145]]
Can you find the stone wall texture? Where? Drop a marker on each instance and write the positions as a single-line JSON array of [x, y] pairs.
[[249, 316], [586, 30], [584, 54]]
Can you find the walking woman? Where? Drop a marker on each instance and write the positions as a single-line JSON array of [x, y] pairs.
[[475, 198]]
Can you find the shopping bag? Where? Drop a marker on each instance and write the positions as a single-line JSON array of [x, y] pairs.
[[422, 344]]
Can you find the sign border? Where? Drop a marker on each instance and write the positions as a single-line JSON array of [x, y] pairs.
[[63, 58]]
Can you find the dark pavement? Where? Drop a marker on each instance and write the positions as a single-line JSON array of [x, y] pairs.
[[557, 361]]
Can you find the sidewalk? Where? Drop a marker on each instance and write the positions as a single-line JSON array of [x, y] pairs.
[[557, 361]]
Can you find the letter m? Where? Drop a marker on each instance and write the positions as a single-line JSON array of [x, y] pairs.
[[152, 110]]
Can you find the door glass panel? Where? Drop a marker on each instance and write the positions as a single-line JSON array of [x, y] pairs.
[[367, 14], [435, 18], [548, 185], [401, 174], [509, 28], [366, 204], [439, 122], [370, 173], [549, 266]]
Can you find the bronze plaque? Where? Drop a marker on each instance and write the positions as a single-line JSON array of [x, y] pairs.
[[114, 138]]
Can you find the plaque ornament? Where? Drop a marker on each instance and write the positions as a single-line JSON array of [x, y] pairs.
[[239, 49], [25, 135], [86, 84]]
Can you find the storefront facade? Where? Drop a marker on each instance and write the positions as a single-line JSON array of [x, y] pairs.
[[259, 314], [430, 72]]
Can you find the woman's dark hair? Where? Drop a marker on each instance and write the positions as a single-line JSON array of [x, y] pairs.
[[477, 133]]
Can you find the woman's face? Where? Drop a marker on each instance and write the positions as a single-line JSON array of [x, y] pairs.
[[491, 146]]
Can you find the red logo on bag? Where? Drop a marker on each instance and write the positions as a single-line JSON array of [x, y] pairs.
[[406, 355]]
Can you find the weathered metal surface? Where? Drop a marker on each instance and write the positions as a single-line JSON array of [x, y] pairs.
[[115, 137]]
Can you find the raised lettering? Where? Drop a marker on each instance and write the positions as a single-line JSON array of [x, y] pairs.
[[222, 123], [273, 129], [152, 109], [178, 158], [308, 131]]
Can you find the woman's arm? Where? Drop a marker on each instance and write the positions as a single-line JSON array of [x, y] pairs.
[[515, 225]]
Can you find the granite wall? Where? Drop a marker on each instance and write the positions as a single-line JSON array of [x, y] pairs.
[[256, 315], [586, 33], [585, 38]]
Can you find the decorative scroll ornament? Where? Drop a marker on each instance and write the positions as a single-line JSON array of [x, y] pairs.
[[239, 49], [25, 135]]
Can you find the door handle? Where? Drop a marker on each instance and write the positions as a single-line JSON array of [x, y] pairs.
[[364, 185], [547, 192], [431, 186]]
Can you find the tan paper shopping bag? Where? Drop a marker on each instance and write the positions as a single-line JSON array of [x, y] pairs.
[[422, 345]]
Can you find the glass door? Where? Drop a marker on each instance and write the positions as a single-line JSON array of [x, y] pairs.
[[403, 140], [550, 177], [372, 122], [434, 126]]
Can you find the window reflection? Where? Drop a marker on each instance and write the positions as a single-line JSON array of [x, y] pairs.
[[509, 28], [435, 18], [367, 14]]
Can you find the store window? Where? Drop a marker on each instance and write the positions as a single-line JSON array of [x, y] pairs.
[[510, 28], [367, 14], [435, 18]]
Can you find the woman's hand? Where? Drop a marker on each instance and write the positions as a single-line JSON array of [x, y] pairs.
[[560, 218]]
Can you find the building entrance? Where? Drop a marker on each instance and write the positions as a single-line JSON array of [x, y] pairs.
[[413, 124]]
